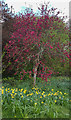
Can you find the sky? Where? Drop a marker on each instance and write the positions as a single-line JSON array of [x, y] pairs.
[[61, 5]]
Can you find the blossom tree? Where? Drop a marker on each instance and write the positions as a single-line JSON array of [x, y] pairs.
[[32, 47]]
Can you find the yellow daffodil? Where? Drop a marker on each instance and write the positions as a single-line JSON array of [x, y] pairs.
[[20, 93], [52, 90], [31, 94], [40, 96], [44, 95], [21, 90], [64, 93], [13, 91], [48, 94], [55, 101], [57, 91], [24, 91], [43, 92], [36, 92], [61, 93], [2, 91], [22, 96], [16, 89], [6, 89], [2, 86], [15, 94], [27, 94], [59, 97], [42, 102], [12, 96], [35, 103]]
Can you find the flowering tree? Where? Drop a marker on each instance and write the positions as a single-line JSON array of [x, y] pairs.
[[32, 48]]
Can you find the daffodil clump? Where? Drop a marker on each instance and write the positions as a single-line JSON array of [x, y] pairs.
[[35, 98]]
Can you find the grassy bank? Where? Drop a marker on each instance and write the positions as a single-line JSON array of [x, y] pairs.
[[45, 100]]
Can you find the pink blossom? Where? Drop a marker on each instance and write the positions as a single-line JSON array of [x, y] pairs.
[[9, 41], [32, 32], [16, 60], [51, 47]]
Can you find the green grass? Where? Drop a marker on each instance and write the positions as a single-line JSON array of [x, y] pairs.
[[46, 100]]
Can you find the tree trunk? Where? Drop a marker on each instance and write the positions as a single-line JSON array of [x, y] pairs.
[[35, 69], [36, 65], [35, 74]]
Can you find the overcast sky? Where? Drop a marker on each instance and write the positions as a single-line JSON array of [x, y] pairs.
[[62, 5]]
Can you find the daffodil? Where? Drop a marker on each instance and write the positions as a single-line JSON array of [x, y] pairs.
[[16, 89], [22, 96], [27, 94], [24, 91], [12, 96], [55, 101], [52, 90], [13, 91], [21, 90], [6, 89], [40, 96], [15, 94], [44, 95], [48, 94], [57, 91], [42, 102], [20, 93], [43, 92], [2, 91], [61, 93], [59, 97], [2, 86], [36, 92], [35, 103]]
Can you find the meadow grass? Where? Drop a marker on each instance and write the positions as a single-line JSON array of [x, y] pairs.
[[45, 100]]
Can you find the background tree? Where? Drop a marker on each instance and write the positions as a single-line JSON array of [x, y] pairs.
[[7, 29]]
